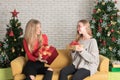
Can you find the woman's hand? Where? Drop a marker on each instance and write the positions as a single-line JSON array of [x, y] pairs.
[[41, 60], [79, 48]]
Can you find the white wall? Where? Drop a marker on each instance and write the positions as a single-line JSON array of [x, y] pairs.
[[58, 17]]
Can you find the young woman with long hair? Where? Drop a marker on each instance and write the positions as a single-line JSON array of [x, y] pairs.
[[33, 41], [85, 59]]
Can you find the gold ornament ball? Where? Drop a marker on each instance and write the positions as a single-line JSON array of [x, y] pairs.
[[103, 3], [22, 50], [14, 39], [106, 28], [108, 34], [13, 50], [99, 10], [110, 48]]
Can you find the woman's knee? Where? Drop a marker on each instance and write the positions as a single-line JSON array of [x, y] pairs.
[[50, 69], [63, 71]]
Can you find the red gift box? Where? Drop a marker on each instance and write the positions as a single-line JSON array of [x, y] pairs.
[[74, 43], [49, 54]]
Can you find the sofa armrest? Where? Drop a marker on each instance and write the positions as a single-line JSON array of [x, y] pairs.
[[104, 64], [17, 65]]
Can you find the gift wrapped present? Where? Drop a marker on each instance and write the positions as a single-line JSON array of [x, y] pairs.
[[49, 53], [72, 45]]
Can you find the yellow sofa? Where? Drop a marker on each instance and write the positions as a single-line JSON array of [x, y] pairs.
[[61, 61]]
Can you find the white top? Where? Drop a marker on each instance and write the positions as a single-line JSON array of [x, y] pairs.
[[88, 58]]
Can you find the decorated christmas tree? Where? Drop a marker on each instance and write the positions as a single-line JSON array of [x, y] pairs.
[[13, 40], [105, 25], [4, 60]]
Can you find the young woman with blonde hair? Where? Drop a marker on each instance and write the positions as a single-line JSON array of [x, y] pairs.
[[85, 59], [33, 41]]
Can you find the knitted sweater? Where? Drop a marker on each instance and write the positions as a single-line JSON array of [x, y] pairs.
[[88, 58]]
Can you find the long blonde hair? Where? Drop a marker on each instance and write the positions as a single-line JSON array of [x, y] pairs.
[[88, 29], [30, 33]]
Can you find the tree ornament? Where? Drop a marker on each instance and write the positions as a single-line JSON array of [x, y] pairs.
[[98, 34], [110, 48], [99, 29], [105, 17], [14, 39], [22, 50], [94, 10], [103, 3], [106, 28], [113, 39], [104, 24], [113, 22], [11, 33], [13, 49], [109, 8], [111, 17], [108, 34], [118, 41], [112, 30], [14, 13], [0, 44], [100, 20], [118, 32], [103, 50], [109, 25], [98, 10], [104, 43]]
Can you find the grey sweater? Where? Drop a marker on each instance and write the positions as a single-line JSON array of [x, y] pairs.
[[88, 58]]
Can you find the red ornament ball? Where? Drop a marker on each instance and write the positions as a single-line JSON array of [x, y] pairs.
[[104, 43], [113, 39], [112, 30], [101, 20], [94, 10]]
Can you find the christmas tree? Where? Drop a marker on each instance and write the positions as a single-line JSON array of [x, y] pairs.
[[4, 60], [13, 41], [105, 25]]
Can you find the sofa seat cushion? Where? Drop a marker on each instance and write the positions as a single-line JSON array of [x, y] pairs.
[[98, 76], [19, 77]]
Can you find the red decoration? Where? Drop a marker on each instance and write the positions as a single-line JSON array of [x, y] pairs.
[[0, 44], [109, 25], [112, 30], [11, 33], [104, 43], [113, 39], [101, 20], [94, 10], [111, 17], [14, 13], [99, 29]]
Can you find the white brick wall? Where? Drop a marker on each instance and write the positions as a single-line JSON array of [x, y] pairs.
[[58, 17]]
